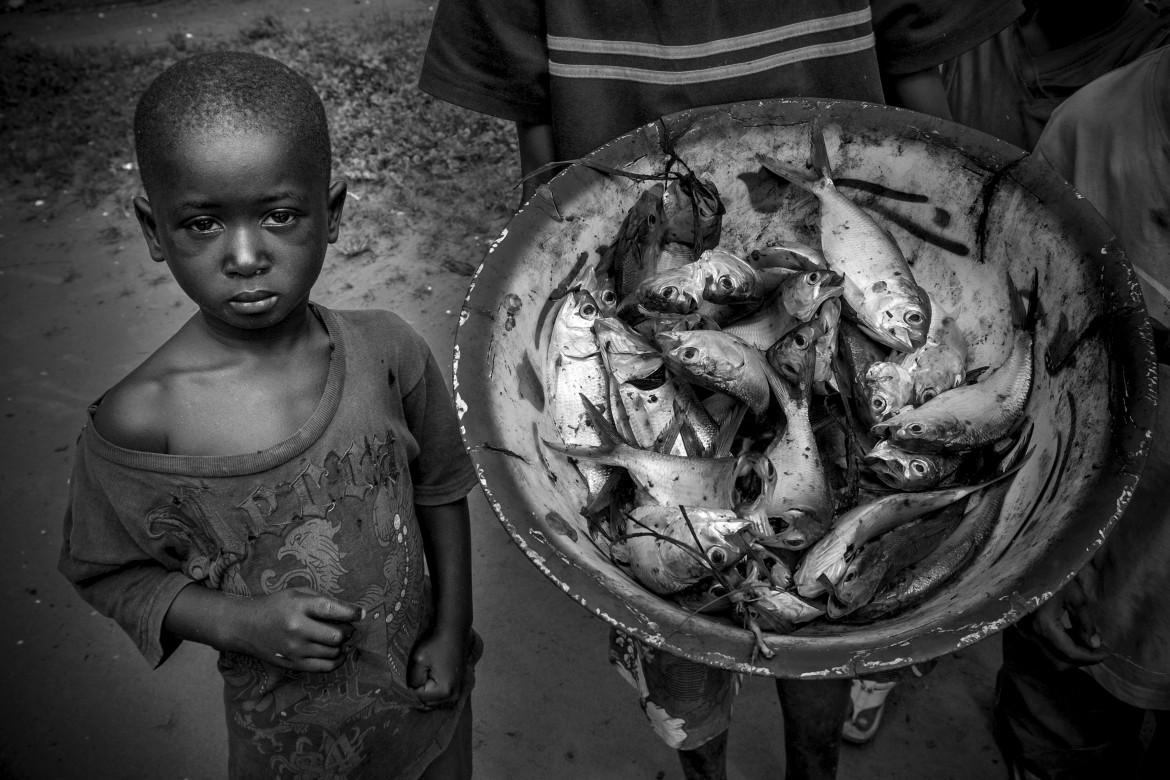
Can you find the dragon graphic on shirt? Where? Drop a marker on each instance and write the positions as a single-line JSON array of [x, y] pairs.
[[312, 544]]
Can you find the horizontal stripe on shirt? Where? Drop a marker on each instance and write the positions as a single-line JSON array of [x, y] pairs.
[[558, 43], [717, 73]]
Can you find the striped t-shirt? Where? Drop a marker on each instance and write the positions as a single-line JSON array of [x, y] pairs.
[[595, 69]]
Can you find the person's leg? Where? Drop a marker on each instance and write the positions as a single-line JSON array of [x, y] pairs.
[[454, 763], [813, 713], [1059, 724], [688, 704]]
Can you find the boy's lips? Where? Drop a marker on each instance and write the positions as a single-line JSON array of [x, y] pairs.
[[253, 301]]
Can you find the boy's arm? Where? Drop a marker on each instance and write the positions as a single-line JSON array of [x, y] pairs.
[[920, 91], [535, 140], [297, 628], [439, 659]]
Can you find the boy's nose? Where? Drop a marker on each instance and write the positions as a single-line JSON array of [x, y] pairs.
[[246, 255]]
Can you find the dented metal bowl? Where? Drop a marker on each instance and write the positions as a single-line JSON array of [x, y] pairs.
[[967, 210]]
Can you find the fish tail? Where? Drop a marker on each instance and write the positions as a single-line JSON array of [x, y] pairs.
[[1024, 316]]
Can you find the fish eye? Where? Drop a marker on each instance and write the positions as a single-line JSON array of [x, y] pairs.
[[928, 393], [878, 403], [718, 556], [669, 291], [814, 277], [800, 341], [608, 297], [918, 467], [589, 310], [916, 428], [689, 353], [914, 318], [725, 282]]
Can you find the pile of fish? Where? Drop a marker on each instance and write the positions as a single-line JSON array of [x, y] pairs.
[[789, 435]]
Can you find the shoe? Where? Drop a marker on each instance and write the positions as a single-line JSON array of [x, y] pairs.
[[867, 700]]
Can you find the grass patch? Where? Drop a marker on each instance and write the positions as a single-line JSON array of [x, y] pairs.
[[65, 120]]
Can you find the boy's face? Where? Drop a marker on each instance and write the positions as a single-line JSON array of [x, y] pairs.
[[243, 222]]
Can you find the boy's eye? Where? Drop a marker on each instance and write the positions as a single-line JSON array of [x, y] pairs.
[[203, 225], [280, 218]]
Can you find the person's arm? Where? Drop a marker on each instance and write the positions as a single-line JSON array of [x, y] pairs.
[[439, 659], [920, 91], [297, 628], [1063, 627], [535, 140]]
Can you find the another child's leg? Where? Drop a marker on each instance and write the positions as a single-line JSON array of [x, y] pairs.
[[688, 704], [454, 763], [813, 713]]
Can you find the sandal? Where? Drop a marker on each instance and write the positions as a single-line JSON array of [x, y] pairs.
[[867, 700]]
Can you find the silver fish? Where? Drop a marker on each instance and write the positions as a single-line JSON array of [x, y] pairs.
[[674, 480], [970, 416], [910, 471], [716, 277], [885, 388], [941, 363], [798, 299], [574, 369], [663, 553], [879, 285], [719, 361], [633, 255], [826, 560]]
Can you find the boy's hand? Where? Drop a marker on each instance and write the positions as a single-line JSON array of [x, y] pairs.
[[1063, 627], [436, 671], [300, 629]]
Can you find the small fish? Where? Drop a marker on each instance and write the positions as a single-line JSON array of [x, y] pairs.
[[825, 562], [643, 392], [910, 471], [779, 610], [858, 352], [788, 254], [690, 201], [940, 364], [798, 299], [574, 370], [673, 480], [719, 361], [917, 582], [970, 416], [799, 499], [717, 277], [879, 285], [880, 559], [885, 388], [633, 255], [663, 553]]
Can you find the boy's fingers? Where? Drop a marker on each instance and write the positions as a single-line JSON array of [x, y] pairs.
[[325, 608]]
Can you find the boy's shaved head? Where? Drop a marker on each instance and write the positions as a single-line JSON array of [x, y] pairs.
[[228, 92]]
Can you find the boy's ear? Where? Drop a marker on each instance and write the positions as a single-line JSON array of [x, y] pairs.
[[337, 191], [145, 214]]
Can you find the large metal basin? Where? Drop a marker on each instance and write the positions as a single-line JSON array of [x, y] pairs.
[[980, 209]]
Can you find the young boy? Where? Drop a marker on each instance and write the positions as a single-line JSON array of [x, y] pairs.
[[274, 479]]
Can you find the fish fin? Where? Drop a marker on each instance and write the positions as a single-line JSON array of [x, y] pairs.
[[974, 374], [801, 179], [610, 437], [819, 151], [600, 502], [728, 430], [678, 425], [790, 255]]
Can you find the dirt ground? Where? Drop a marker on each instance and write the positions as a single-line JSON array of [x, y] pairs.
[[84, 303]]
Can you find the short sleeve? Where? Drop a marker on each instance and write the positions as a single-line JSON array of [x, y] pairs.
[[489, 56], [442, 471], [914, 35], [108, 568]]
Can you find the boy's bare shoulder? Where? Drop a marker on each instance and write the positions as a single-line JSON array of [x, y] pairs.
[[136, 412]]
